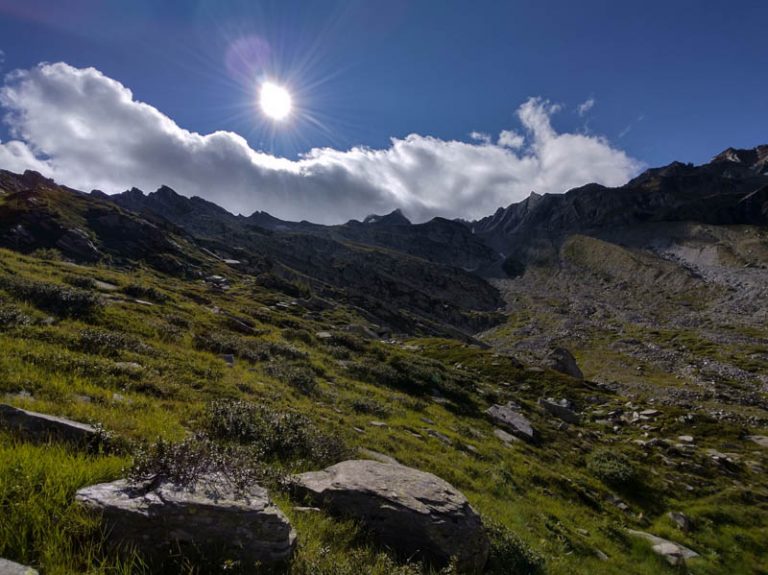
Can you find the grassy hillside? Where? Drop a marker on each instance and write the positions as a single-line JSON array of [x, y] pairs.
[[138, 352]]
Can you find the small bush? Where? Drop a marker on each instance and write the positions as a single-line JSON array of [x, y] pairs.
[[109, 343], [299, 377], [276, 435], [611, 467], [413, 375], [510, 554], [370, 406], [245, 348], [299, 335], [81, 282], [140, 291], [11, 316], [63, 301], [274, 282], [185, 462]]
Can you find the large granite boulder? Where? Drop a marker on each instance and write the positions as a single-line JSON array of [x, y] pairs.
[[11, 568], [509, 417], [562, 360], [210, 518], [416, 514], [42, 427]]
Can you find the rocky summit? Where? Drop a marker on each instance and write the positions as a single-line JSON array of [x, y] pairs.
[[577, 383]]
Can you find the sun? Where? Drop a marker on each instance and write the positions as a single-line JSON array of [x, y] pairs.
[[275, 101]]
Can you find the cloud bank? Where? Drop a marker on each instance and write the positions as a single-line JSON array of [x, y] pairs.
[[87, 131]]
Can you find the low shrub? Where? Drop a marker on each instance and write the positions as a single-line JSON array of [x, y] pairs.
[[54, 298], [109, 343], [509, 553], [300, 377], [185, 462], [11, 316], [276, 435], [141, 291], [611, 467], [370, 406], [246, 348]]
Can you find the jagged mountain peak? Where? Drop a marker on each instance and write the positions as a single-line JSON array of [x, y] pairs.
[[393, 218], [754, 158]]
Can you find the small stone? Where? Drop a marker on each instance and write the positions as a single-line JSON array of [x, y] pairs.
[[680, 520], [685, 439], [324, 335], [228, 358], [377, 423]]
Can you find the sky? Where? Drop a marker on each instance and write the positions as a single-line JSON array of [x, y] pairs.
[[436, 107]]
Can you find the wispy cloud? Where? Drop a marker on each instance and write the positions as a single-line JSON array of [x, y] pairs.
[[585, 106], [86, 130]]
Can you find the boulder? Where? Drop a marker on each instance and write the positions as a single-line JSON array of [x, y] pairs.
[[210, 517], [562, 360], [560, 409], [415, 513], [674, 553], [41, 427], [508, 417], [11, 568]]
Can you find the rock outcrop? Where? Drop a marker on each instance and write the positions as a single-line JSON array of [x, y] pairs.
[[413, 512], [674, 553], [42, 427], [209, 517], [562, 360], [509, 417]]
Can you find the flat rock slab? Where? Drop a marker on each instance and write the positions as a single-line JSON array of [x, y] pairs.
[[42, 427], [561, 411], [674, 553], [11, 568], [210, 517], [508, 417], [761, 440], [415, 513]]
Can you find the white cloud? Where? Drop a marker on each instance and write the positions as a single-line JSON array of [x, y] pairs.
[[87, 131], [586, 106], [481, 137], [511, 139], [2, 58]]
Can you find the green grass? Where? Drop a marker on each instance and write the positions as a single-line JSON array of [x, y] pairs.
[[82, 367]]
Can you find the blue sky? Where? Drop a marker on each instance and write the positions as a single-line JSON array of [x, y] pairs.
[[673, 80]]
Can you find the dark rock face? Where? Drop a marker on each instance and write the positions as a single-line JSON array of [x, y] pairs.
[[210, 517], [41, 427], [415, 513], [562, 360], [11, 568], [720, 192], [508, 417]]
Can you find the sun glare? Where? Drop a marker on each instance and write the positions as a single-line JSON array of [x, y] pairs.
[[275, 101]]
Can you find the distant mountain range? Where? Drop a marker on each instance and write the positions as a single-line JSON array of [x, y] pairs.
[[431, 276]]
